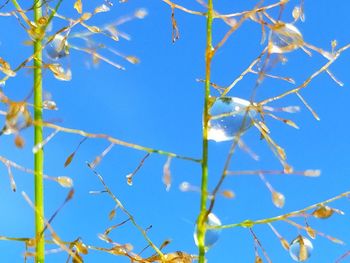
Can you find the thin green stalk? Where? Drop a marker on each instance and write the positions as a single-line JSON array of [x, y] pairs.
[[38, 137], [201, 225]]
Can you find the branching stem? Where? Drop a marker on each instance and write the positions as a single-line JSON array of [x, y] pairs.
[[201, 222], [38, 137]]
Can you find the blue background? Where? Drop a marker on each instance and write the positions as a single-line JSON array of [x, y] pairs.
[[158, 103]]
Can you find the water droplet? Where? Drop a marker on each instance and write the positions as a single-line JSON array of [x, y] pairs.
[[58, 47], [300, 249], [184, 186], [2, 84], [284, 38], [211, 235], [49, 105], [109, 3], [228, 117]]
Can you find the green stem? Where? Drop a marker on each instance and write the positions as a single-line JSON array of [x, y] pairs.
[[201, 225], [38, 137]]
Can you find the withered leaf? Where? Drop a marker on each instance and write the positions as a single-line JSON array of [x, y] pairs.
[[132, 59], [228, 194], [81, 248], [93, 29], [323, 212], [69, 159], [65, 181], [303, 252], [19, 141], [258, 259], [102, 8], [112, 213], [285, 244], [77, 258], [311, 232], [60, 73], [86, 16], [167, 174], [6, 68], [278, 199], [78, 5]]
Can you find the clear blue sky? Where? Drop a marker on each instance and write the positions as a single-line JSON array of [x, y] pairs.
[[158, 103]]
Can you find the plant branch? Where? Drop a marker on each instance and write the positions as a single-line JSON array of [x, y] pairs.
[[201, 221]]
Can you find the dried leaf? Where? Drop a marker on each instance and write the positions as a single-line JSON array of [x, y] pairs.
[[281, 152], [297, 13], [130, 176], [6, 68], [336, 240], [19, 141], [69, 159], [113, 32], [59, 72], [264, 127], [12, 179], [323, 212], [77, 258], [86, 16], [167, 174], [105, 238], [93, 29], [178, 256], [291, 123], [285, 244], [303, 252], [102, 8], [65, 181], [78, 5], [141, 13], [278, 199], [132, 59], [312, 173], [228, 194], [311, 232], [175, 35], [258, 259], [112, 214], [99, 158], [129, 179], [81, 247], [49, 105], [287, 169]]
